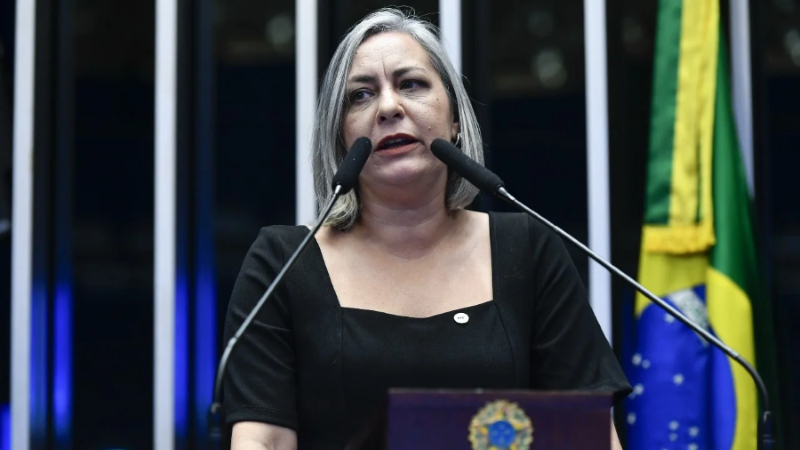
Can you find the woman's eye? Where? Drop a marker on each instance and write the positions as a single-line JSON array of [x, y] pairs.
[[412, 84], [358, 95]]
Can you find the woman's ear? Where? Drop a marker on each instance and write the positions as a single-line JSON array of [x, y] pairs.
[[455, 129]]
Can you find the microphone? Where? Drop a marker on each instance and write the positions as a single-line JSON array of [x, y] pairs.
[[473, 172], [354, 160], [490, 183], [345, 179]]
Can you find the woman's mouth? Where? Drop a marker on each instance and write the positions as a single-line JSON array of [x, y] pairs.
[[396, 144]]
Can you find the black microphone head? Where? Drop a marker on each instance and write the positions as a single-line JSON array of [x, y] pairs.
[[350, 168], [483, 178]]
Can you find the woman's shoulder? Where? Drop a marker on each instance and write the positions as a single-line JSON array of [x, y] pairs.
[[512, 231], [283, 232], [519, 223], [277, 237]]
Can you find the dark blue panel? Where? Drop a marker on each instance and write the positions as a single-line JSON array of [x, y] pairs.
[[113, 263], [538, 148], [255, 160], [5, 426]]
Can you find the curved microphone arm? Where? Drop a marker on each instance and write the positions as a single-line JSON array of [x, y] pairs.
[[214, 412], [765, 424]]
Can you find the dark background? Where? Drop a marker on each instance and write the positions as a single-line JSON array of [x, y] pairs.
[[524, 68]]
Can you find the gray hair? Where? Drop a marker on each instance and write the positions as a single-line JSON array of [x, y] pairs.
[[327, 143]]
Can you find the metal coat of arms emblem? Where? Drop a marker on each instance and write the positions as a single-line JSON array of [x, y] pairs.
[[501, 425]]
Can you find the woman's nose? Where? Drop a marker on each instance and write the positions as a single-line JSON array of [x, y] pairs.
[[389, 107]]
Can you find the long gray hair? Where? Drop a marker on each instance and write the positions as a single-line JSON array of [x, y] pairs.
[[327, 143]]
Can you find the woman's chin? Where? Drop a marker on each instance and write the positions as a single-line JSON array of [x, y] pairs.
[[406, 175]]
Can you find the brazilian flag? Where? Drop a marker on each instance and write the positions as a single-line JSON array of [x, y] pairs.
[[697, 251]]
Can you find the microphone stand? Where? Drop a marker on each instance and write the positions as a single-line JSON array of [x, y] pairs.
[[215, 430], [766, 441]]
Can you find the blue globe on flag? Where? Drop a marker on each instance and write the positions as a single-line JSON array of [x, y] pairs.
[[683, 392]]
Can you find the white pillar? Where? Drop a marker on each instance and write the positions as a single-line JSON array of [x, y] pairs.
[[742, 84], [306, 102], [597, 181], [164, 224], [22, 223], [450, 25]]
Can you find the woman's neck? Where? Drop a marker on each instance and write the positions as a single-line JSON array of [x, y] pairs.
[[406, 230]]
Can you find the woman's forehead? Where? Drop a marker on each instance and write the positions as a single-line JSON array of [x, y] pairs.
[[390, 49]]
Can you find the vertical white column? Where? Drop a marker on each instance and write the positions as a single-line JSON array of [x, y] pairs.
[[165, 216], [450, 24], [22, 223], [594, 14], [306, 101], [742, 84]]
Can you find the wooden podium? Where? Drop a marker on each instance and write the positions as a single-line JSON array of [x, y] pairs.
[[449, 419]]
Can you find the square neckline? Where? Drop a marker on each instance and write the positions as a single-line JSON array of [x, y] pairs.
[[493, 256]]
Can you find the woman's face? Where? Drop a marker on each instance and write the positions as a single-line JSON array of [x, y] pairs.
[[397, 99]]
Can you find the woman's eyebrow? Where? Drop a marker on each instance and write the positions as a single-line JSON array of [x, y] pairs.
[[399, 72]]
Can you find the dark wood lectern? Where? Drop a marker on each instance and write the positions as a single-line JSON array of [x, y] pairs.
[[447, 419]]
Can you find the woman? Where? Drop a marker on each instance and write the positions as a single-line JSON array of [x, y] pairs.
[[372, 303]]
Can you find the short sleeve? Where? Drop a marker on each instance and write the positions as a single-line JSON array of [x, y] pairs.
[[568, 347], [259, 384]]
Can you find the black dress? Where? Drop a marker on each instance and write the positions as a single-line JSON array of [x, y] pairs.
[[307, 363]]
